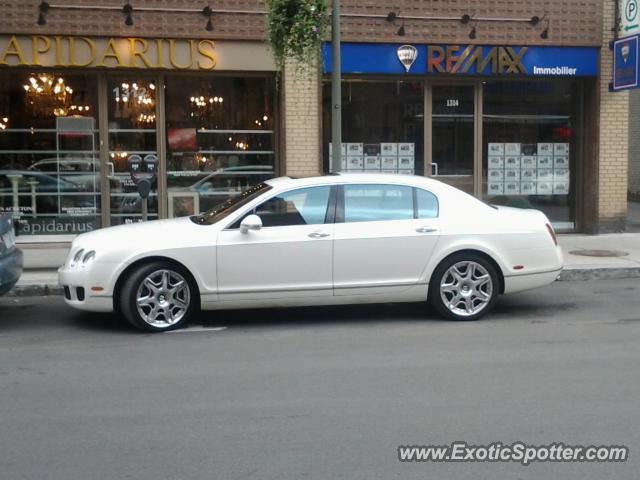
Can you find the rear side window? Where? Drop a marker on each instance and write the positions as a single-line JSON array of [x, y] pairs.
[[426, 203], [370, 203]]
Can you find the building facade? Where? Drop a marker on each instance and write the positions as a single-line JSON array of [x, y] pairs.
[[507, 100]]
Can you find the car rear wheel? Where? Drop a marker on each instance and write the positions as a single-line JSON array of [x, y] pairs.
[[158, 297], [464, 287]]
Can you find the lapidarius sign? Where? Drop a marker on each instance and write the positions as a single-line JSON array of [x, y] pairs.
[[71, 51], [475, 58]]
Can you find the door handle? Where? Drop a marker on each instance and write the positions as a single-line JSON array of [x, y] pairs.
[[318, 235], [426, 230]]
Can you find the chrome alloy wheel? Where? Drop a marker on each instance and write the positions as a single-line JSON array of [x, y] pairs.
[[163, 298], [466, 288]]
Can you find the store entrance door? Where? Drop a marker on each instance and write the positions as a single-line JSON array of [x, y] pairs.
[[453, 134]]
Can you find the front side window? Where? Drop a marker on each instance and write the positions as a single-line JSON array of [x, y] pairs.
[[305, 206], [370, 203]]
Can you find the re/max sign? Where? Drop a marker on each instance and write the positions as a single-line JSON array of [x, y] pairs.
[[476, 59]]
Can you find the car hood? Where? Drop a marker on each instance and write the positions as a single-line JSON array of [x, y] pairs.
[[117, 243]]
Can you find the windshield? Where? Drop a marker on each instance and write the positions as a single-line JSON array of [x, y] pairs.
[[223, 210]]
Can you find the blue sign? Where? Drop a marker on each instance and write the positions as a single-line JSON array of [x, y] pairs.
[[625, 63], [463, 60]]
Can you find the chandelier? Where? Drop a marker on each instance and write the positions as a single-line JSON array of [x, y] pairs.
[[4, 121], [135, 102], [48, 95], [203, 107]]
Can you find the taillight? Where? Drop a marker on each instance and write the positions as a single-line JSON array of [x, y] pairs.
[[552, 233]]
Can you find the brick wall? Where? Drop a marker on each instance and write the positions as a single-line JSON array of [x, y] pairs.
[[614, 134], [21, 17], [572, 22], [301, 122], [634, 144]]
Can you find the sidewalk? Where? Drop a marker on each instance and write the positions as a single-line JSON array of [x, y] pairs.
[[593, 257], [587, 257]]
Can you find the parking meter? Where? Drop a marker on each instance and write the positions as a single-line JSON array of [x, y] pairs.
[[143, 172]]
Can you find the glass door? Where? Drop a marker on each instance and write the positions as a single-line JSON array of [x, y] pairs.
[[132, 136], [453, 136]]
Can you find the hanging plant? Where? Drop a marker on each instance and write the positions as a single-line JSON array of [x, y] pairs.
[[295, 29]]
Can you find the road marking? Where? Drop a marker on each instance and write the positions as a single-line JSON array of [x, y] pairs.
[[200, 329]]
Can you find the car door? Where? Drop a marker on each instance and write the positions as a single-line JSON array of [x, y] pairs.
[[384, 237], [290, 256]]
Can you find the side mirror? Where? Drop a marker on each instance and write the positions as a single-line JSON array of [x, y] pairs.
[[252, 222]]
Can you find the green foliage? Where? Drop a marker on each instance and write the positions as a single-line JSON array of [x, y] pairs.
[[295, 29]]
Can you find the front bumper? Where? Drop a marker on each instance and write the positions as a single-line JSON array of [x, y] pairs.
[[77, 286], [11, 267]]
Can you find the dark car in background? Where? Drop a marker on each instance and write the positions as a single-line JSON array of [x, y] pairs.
[[11, 260]]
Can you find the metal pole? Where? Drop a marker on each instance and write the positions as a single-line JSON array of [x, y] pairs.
[[336, 89], [145, 209]]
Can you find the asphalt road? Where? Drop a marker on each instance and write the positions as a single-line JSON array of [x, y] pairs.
[[320, 393]]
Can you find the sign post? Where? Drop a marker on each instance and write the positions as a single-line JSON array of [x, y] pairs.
[[336, 90]]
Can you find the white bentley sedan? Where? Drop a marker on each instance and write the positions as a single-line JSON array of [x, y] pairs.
[[341, 239]]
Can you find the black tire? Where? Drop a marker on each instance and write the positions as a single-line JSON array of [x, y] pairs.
[[133, 285], [442, 270]]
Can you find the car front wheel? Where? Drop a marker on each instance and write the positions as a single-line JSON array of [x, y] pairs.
[[464, 287], [158, 297]]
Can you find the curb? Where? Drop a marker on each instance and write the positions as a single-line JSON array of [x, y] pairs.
[[567, 275], [584, 274], [35, 290]]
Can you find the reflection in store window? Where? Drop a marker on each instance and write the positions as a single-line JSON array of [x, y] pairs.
[[220, 139], [49, 167], [132, 135], [382, 126], [530, 131]]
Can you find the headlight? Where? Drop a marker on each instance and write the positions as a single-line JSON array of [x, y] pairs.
[[90, 255]]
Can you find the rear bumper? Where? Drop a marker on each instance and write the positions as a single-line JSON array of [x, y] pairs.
[[10, 270], [519, 283]]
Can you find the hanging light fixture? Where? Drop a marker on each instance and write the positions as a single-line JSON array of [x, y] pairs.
[[207, 12], [545, 33], [43, 9], [127, 10]]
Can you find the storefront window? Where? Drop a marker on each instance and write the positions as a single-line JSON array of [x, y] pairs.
[[132, 137], [530, 132], [382, 126], [220, 139], [49, 167]]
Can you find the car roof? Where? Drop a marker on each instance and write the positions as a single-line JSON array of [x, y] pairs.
[[346, 178]]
